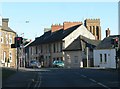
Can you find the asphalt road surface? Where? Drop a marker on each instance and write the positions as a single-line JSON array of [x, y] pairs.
[[57, 77]]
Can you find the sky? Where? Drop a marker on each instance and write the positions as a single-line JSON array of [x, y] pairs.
[[31, 18]]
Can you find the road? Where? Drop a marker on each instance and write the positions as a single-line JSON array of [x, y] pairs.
[[74, 78]]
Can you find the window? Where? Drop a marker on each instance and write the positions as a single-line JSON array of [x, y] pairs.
[[61, 47], [1, 39], [90, 29], [57, 44], [54, 48], [49, 47], [36, 49], [10, 39], [10, 56], [101, 58], [6, 38], [31, 50], [105, 57], [97, 31], [4, 56], [41, 48], [93, 30]]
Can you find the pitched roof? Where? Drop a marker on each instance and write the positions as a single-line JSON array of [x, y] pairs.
[[78, 45], [106, 42], [74, 46], [8, 29], [49, 37]]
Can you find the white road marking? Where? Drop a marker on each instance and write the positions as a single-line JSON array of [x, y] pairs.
[[103, 85], [96, 82], [84, 76], [92, 80]]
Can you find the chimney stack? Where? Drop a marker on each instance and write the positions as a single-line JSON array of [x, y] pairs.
[[56, 27], [108, 32], [67, 25], [5, 22]]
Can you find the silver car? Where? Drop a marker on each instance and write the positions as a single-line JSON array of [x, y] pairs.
[[34, 64]]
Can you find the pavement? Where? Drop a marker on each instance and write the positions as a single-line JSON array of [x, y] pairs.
[[22, 78]]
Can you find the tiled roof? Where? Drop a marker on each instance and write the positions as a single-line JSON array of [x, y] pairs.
[[49, 37], [106, 42]]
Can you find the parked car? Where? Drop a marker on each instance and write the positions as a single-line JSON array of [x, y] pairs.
[[58, 63], [34, 64]]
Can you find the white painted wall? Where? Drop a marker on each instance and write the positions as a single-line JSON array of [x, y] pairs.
[[111, 63], [81, 30]]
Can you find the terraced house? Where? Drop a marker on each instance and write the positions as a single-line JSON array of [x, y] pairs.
[[7, 54], [54, 44]]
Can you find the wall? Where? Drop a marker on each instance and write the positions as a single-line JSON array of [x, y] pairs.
[[110, 58], [81, 30], [5, 46], [70, 59]]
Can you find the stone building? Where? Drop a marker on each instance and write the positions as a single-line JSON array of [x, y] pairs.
[[93, 25], [7, 54]]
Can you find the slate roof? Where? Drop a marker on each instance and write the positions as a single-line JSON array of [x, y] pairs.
[[74, 46], [49, 37], [78, 45], [106, 42], [8, 29]]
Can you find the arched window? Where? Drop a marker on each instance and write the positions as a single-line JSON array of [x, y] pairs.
[[97, 31], [90, 29]]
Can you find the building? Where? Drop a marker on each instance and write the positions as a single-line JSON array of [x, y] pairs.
[[105, 53], [93, 25], [50, 45], [23, 57], [77, 52], [7, 54]]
